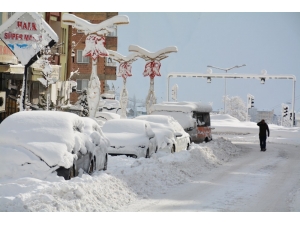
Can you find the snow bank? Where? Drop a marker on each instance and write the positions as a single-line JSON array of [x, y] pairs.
[[230, 127], [125, 181]]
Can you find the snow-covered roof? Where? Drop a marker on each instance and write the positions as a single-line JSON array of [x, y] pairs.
[[182, 107], [108, 95]]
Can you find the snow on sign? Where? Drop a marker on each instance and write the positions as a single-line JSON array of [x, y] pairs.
[[26, 33]]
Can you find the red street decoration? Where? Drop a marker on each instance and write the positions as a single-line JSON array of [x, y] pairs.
[[125, 70], [152, 69], [94, 46]]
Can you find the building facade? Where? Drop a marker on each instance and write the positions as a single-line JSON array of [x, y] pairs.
[[106, 69], [66, 57]]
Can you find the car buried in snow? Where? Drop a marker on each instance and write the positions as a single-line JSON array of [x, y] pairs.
[[170, 135], [134, 138], [43, 143], [102, 117], [194, 117]]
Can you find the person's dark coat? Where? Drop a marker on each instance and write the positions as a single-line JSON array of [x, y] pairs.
[[263, 129]]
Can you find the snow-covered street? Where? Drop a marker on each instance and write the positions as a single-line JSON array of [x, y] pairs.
[[253, 182], [228, 174]]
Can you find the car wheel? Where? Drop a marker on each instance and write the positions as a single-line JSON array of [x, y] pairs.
[[173, 149], [66, 173], [91, 168], [188, 146], [206, 140], [105, 163], [71, 173], [147, 153]]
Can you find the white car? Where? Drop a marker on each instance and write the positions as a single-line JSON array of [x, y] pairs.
[[42, 143], [170, 134], [130, 137], [102, 117]]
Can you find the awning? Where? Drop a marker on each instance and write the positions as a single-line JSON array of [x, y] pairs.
[[36, 72], [13, 69]]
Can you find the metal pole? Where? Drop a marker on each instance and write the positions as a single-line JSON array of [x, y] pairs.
[[168, 89], [293, 102], [225, 96], [247, 109], [24, 86]]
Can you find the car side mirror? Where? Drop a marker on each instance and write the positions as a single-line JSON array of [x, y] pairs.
[[177, 134]]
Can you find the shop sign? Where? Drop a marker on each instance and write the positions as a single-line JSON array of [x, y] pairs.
[[26, 34]]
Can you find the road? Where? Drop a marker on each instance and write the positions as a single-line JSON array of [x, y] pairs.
[[254, 182]]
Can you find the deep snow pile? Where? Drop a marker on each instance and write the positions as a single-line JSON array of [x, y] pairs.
[[126, 180], [234, 130]]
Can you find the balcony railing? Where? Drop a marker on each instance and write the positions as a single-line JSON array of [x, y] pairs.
[[110, 63]]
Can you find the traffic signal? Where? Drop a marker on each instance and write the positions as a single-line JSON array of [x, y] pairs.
[[250, 102], [285, 111]]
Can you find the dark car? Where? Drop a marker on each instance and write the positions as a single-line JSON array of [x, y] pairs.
[[42, 143]]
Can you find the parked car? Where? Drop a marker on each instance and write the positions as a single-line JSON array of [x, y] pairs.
[[194, 117], [130, 137], [102, 117], [39, 143], [171, 137]]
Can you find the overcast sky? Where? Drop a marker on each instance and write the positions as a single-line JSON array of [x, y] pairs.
[[269, 41]]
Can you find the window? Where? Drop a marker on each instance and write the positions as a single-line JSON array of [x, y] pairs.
[[82, 84], [64, 39], [9, 14], [81, 58], [202, 119], [113, 33], [109, 62]]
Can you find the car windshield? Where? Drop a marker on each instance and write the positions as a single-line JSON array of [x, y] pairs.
[[124, 126], [202, 119]]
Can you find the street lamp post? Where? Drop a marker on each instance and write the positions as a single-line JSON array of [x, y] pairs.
[[152, 68], [94, 48], [124, 72], [226, 69]]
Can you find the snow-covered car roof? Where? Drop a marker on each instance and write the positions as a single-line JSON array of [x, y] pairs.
[[49, 136], [166, 120], [182, 107], [124, 132], [107, 116], [160, 125], [184, 119]]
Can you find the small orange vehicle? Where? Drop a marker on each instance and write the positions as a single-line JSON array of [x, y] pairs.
[[194, 117]]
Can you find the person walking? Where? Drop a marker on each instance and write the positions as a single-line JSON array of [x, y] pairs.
[[263, 129]]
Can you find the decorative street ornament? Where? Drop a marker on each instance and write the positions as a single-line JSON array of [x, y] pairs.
[[94, 47], [124, 71], [152, 68]]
